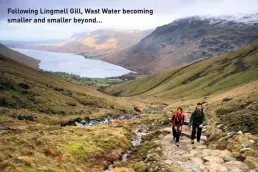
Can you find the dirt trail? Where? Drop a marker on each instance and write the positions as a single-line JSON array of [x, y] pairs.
[[197, 157]]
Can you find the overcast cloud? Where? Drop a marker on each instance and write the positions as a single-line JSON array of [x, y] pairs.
[[165, 11]]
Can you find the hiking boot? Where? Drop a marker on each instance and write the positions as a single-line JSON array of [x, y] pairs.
[[192, 141], [177, 144]]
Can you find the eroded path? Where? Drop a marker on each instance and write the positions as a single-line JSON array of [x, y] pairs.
[[197, 157]]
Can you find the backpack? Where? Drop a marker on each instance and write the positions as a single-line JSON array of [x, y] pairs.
[[178, 120]]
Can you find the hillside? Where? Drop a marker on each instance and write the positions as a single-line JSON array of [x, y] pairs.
[[21, 58], [25, 90], [199, 79], [95, 43], [186, 40]]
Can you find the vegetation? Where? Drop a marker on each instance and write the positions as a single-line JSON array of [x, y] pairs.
[[26, 91], [94, 82], [199, 79]]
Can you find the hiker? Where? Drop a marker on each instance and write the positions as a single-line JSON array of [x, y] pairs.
[[197, 121], [177, 123]]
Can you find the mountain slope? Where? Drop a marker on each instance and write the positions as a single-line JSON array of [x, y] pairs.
[[21, 58], [186, 40], [95, 43], [198, 79], [25, 90]]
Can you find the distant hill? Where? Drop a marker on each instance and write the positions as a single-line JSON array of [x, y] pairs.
[[198, 79], [94, 43], [19, 57], [186, 40]]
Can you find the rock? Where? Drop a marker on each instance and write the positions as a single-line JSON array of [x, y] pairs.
[[216, 167], [206, 152], [236, 164], [225, 153], [194, 152], [245, 145], [216, 152], [187, 156], [213, 159], [230, 135], [251, 141], [252, 162], [197, 161], [228, 159], [139, 108], [240, 132], [158, 149], [226, 99], [244, 150], [204, 138], [220, 126], [156, 168], [161, 136]]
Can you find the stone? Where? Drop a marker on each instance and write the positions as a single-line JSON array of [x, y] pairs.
[[236, 164], [213, 159], [158, 149], [225, 153], [251, 141], [244, 150], [196, 161], [230, 135], [161, 136], [228, 159], [204, 138], [216, 152], [188, 156], [240, 132], [215, 167], [206, 152], [220, 126], [245, 145], [226, 99]]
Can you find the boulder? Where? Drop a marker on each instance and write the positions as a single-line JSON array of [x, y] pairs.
[[252, 142], [216, 152], [240, 132], [215, 167], [213, 159], [206, 152], [236, 164], [244, 150], [225, 153]]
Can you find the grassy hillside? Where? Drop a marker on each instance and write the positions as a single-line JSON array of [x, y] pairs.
[[24, 90], [198, 79], [21, 58]]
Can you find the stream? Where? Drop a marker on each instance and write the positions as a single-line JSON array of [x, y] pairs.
[[102, 120], [139, 133]]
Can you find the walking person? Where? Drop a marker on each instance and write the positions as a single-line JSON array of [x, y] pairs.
[[197, 121], [177, 124]]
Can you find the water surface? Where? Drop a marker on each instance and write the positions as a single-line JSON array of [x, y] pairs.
[[74, 64]]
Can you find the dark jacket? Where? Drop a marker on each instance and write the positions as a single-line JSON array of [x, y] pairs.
[[197, 118]]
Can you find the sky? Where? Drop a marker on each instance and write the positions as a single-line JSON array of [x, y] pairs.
[[165, 11]]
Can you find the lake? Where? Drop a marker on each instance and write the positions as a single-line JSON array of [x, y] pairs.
[[74, 64]]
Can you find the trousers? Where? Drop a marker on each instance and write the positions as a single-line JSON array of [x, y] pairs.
[[176, 133], [196, 128]]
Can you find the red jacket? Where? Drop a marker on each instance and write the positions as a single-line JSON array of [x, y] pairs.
[[178, 120]]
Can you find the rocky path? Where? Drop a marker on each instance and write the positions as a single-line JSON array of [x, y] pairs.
[[197, 157]]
